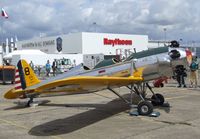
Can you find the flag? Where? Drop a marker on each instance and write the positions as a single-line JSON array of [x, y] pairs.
[[3, 13], [188, 56]]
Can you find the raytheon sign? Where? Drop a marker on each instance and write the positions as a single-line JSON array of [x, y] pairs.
[[116, 41]]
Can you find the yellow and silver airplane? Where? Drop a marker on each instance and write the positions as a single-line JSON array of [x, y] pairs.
[[133, 73]]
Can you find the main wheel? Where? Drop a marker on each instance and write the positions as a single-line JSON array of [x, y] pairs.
[[145, 108], [157, 100]]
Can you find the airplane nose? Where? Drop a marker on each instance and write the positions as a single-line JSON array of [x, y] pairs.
[[174, 54]]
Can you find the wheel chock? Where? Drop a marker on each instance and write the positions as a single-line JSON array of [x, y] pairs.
[[154, 114], [135, 113]]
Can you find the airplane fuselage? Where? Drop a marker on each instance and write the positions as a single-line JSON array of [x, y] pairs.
[[149, 68]]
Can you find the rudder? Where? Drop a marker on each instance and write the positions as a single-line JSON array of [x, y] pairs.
[[24, 76]]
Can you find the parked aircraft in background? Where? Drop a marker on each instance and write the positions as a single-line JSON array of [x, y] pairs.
[[134, 73]]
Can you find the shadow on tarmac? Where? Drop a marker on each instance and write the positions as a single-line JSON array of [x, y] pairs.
[[78, 121], [165, 107]]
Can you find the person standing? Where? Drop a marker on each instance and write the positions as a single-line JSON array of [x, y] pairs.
[[194, 66], [31, 65], [48, 68], [180, 75], [39, 70], [54, 67]]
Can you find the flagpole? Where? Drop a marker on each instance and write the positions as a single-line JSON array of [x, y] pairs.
[[4, 15], [1, 37], [1, 29], [1, 25], [2, 33]]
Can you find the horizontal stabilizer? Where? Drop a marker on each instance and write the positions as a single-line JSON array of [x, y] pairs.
[[13, 94]]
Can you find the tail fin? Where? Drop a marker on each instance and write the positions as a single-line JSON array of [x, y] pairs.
[[24, 76]]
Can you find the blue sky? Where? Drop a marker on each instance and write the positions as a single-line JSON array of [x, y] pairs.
[[29, 18]]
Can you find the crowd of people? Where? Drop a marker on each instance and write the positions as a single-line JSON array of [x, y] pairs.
[[181, 74], [48, 68]]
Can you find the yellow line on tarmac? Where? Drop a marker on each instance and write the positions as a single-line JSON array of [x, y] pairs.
[[23, 127]]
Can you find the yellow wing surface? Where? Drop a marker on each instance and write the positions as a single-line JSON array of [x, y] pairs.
[[78, 84], [88, 83]]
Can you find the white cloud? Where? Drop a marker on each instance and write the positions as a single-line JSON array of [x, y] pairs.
[[29, 18]]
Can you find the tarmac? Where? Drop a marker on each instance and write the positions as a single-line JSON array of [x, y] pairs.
[[101, 115]]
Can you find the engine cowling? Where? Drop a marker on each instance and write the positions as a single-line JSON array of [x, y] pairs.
[[174, 54]]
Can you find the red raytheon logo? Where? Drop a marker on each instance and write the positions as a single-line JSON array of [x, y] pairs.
[[114, 42]]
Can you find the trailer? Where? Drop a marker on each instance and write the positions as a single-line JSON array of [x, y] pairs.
[[7, 74]]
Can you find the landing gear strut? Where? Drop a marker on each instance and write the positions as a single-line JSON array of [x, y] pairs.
[[156, 99], [145, 106], [29, 102], [31, 97]]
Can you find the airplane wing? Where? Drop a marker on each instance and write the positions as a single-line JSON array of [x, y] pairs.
[[74, 85], [89, 83]]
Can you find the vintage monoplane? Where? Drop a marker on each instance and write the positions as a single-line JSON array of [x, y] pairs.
[[134, 73]]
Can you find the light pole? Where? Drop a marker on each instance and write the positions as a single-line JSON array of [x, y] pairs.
[[94, 23], [165, 30], [193, 47], [181, 42]]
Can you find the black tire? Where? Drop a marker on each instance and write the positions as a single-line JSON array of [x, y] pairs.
[[157, 100], [162, 85], [145, 108]]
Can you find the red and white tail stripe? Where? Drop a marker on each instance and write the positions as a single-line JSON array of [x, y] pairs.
[[17, 80]]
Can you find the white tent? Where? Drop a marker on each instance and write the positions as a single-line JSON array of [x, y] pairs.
[[38, 57], [23, 52]]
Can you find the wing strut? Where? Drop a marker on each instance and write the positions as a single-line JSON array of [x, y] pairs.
[[135, 91], [144, 107], [126, 101]]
